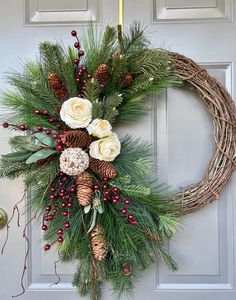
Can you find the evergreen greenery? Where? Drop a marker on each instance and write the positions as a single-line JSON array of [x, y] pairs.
[[142, 244]]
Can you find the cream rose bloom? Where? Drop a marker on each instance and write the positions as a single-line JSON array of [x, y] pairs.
[[106, 149], [76, 112], [99, 128]]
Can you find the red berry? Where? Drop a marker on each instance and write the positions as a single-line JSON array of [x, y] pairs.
[[124, 211], [127, 202], [61, 174], [37, 112], [133, 222], [105, 179], [58, 126], [48, 208], [63, 205], [105, 199], [114, 201], [105, 186], [76, 45], [67, 225], [40, 128], [130, 216], [58, 141], [107, 192], [53, 196], [44, 227], [55, 136], [62, 191], [117, 197], [60, 231], [96, 187], [60, 239], [65, 213], [69, 204], [22, 127], [76, 61], [59, 148], [46, 112], [51, 119], [80, 95], [60, 183], [47, 247], [89, 76], [73, 33], [81, 53], [52, 189], [72, 189], [46, 218], [77, 80], [67, 196], [48, 131], [115, 189], [84, 68], [55, 211], [50, 217], [5, 125]]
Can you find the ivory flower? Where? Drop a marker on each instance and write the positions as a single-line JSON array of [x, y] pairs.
[[76, 112], [99, 128], [107, 148]]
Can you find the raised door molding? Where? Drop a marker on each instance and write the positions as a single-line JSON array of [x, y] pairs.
[[60, 12], [169, 11]]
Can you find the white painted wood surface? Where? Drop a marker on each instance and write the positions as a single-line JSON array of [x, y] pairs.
[[179, 125]]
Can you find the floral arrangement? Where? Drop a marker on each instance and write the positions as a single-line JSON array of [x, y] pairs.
[[94, 190]]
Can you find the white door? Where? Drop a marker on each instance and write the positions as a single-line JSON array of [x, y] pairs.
[[180, 126]]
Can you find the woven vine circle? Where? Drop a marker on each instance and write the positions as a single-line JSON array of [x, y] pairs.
[[222, 109]]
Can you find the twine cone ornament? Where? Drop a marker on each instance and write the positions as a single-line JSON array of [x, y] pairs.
[[98, 243], [58, 86], [102, 74], [85, 193], [102, 168], [76, 138]]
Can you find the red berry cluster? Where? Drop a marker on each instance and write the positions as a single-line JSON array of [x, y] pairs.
[[81, 75], [60, 198], [21, 127], [112, 195], [48, 131]]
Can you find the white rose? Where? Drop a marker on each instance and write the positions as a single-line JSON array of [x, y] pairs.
[[99, 128], [76, 112], [106, 149]]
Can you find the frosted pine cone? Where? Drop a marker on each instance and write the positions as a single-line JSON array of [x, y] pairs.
[[74, 161], [77, 138], [85, 192], [59, 88], [98, 243], [102, 168], [102, 74]]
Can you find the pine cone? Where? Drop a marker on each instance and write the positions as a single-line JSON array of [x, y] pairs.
[[84, 183], [58, 109], [127, 269], [76, 138], [102, 168], [102, 74], [58, 86], [127, 80], [98, 243]]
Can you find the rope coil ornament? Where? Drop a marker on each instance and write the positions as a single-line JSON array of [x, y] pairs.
[[222, 109]]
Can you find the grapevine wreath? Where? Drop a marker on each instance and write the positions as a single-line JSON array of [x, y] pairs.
[[91, 188]]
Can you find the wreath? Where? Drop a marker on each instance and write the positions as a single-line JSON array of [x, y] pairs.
[[95, 191]]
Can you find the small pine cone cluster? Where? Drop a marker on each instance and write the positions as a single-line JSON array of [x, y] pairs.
[[59, 88], [127, 80], [85, 192], [98, 243], [127, 269], [102, 168], [102, 74], [76, 138]]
